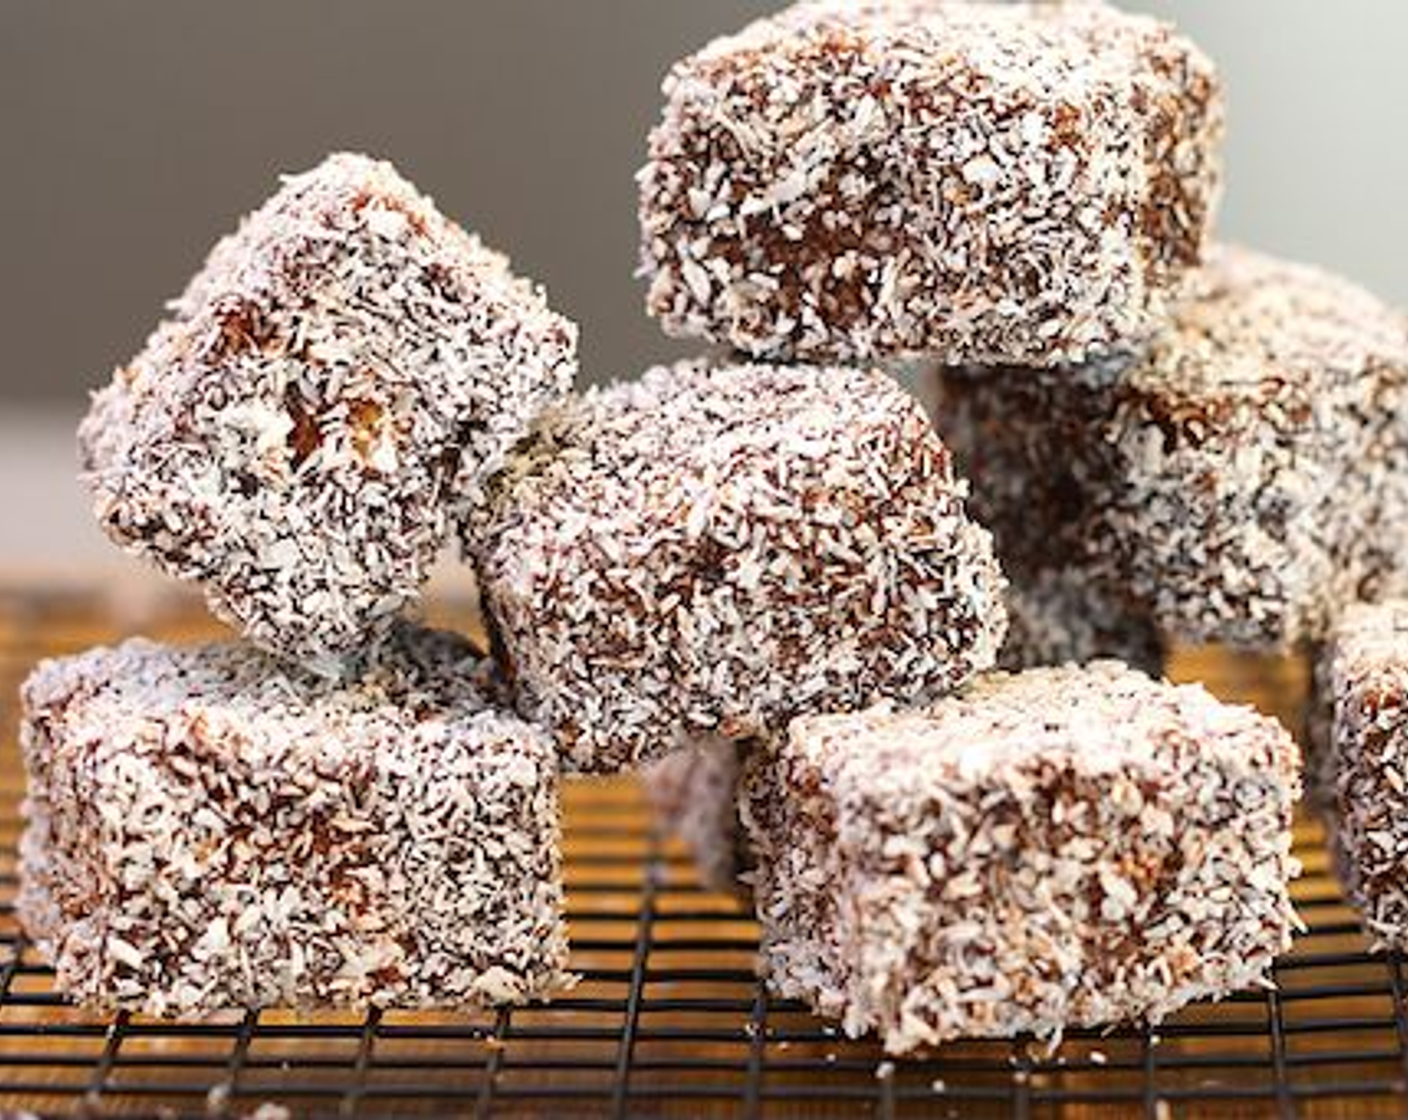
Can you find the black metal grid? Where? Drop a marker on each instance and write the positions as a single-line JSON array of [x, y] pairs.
[[670, 1020]]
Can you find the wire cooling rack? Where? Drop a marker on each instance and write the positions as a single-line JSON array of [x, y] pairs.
[[669, 1019]]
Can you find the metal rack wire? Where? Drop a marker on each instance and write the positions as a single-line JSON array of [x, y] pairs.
[[670, 1019]]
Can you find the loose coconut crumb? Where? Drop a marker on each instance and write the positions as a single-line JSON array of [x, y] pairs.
[[331, 387], [207, 830], [863, 179], [711, 550], [1060, 848]]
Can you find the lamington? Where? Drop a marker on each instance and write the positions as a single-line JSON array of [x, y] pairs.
[[1238, 480], [338, 379], [208, 829], [1057, 617], [1060, 848], [858, 180], [693, 795], [1361, 767], [712, 549]]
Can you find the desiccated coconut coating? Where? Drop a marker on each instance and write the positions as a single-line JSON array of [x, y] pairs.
[[209, 830], [859, 179], [1059, 848], [709, 551], [1056, 618], [342, 372], [1363, 769], [694, 795], [1238, 481]]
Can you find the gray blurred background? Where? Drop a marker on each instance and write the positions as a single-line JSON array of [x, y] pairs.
[[134, 133]]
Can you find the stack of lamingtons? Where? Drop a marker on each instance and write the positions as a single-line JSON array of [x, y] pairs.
[[1172, 440], [759, 577], [341, 809]]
